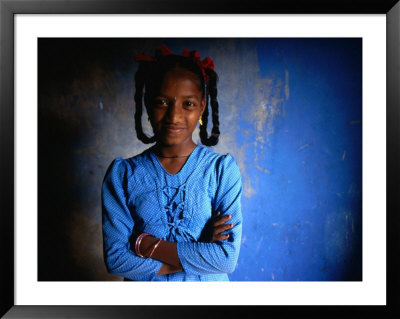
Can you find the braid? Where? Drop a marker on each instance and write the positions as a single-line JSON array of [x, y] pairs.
[[139, 85], [211, 95]]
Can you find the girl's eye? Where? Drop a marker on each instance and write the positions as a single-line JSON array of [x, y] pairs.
[[189, 104], [161, 103]]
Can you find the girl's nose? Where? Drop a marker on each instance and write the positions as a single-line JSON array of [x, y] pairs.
[[174, 111]]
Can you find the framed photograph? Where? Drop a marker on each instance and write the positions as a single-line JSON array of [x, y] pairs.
[[302, 92]]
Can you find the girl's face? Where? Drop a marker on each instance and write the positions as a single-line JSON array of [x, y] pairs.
[[176, 108]]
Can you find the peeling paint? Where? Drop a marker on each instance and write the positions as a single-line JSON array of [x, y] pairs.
[[303, 147], [257, 248], [287, 91], [258, 109], [228, 144], [262, 169]]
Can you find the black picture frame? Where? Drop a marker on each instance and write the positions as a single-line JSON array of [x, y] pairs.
[[8, 10]]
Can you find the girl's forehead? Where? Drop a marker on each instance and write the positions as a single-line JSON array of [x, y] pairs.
[[181, 87], [178, 78], [180, 73]]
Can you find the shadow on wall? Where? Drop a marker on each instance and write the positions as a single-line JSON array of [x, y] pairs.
[[69, 238], [70, 171]]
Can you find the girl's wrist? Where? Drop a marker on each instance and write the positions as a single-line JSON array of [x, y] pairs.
[[147, 244]]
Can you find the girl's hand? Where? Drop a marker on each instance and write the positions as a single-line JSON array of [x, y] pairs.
[[214, 227], [219, 227]]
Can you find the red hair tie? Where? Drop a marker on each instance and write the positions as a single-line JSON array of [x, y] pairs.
[[163, 50], [207, 63], [143, 57]]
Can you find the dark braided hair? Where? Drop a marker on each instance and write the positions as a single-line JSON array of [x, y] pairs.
[[139, 84], [211, 94], [149, 78]]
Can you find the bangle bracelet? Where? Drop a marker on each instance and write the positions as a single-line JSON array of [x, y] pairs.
[[137, 244], [155, 246]]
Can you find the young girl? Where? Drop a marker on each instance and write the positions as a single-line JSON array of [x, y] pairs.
[[172, 213]]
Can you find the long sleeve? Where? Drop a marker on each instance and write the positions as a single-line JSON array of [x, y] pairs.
[[118, 225], [199, 258]]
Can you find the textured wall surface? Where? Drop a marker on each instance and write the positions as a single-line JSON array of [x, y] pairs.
[[290, 113]]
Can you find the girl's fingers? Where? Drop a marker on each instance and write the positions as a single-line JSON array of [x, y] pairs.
[[222, 220], [221, 237], [222, 228]]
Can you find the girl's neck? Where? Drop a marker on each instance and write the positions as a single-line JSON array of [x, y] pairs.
[[174, 151]]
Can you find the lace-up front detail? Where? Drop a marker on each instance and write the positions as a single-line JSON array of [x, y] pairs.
[[174, 208]]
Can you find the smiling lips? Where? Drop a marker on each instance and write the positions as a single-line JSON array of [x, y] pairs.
[[171, 129]]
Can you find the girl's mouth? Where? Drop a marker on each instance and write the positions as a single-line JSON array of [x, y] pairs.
[[173, 129]]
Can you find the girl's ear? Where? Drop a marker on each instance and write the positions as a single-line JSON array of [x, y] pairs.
[[202, 106]]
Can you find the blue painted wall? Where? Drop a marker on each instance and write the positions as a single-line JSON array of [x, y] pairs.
[[291, 115]]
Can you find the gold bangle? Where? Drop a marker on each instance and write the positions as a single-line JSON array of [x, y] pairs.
[[137, 244], [155, 246]]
